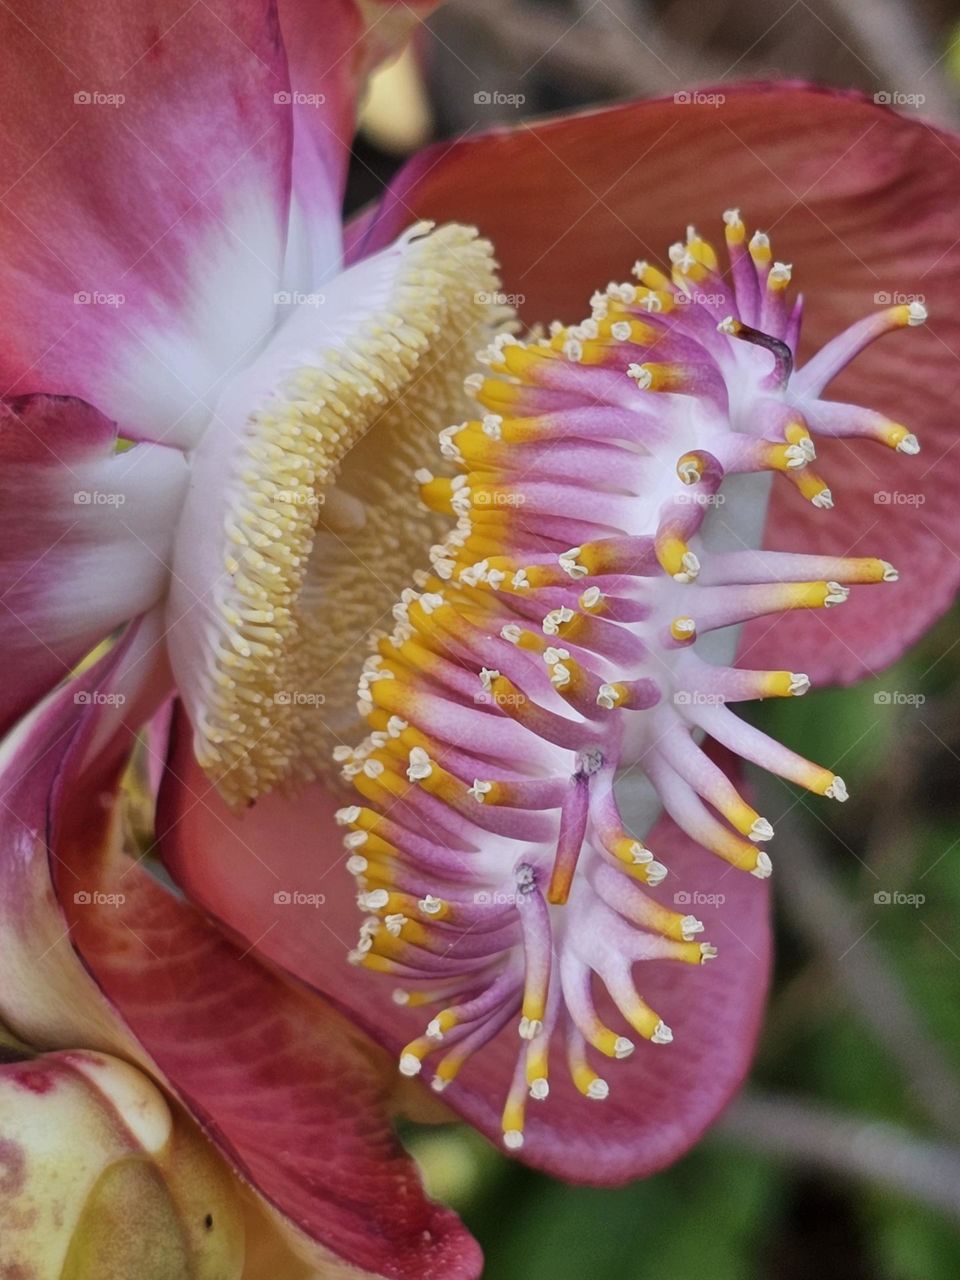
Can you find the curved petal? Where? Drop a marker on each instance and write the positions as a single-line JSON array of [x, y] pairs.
[[97, 953], [85, 538], [862, 202], [328, 60], [143, 228], [275, 876]]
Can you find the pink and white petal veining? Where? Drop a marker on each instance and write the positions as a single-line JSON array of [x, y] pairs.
[[143, 230], [85, 537], [328, 62], [869, 211]]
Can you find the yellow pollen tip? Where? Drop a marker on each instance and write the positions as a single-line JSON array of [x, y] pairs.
[[683, 630], [908, 315], [733, 228], [652, 278], [783, 684], [760, 248], [812, 487], [659, 377], [676, 559], [690, 468], [899, 438], [589, 1083], [610, 1044]]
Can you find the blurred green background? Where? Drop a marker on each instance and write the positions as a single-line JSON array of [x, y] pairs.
[[842, 1158]]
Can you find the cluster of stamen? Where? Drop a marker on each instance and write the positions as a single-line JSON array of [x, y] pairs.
[[285, 607], [553, 642]]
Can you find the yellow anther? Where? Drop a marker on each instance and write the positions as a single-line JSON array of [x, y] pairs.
[[588, 1082], [653, 278], [785, 457], [907, 314], [512, 1121], [760, 249], [899, 438], [798, 433], [445, 1021], [653, 376], [644, 1021], [683, 630], [779, 278], [812, 487], [413, 1054], [814, 595], [609, 1043], [676, 558], [497, 395], [782, 684], [742, 816], [733, 228], [690, 468]]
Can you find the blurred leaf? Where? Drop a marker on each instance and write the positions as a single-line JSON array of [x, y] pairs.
[[538, 1230]]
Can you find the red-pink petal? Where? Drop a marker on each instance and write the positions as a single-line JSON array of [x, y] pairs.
[[661, 1100], [85, 536], [859, 199], [96, 953]]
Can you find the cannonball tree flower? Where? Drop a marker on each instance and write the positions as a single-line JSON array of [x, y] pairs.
[[678, 462], [263, 870]]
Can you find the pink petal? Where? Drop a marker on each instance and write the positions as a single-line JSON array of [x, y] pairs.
[[148, 222], [661, 1100], [142, 238], [85, 537], [859, 199], [328, 59], [290, 1094]]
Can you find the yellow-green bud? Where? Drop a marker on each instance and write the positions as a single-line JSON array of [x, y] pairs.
[[101, 1178]]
